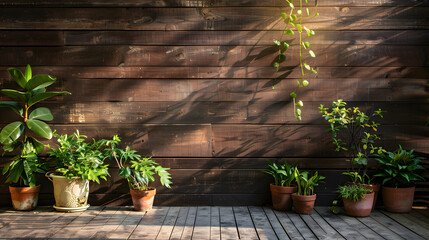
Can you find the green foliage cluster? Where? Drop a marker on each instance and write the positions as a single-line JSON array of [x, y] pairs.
[[137, 170], [294, 24], [353, 192], [399, 168], [14, 136], [306, 182], [354, 132], [283, 174], [77, 158]]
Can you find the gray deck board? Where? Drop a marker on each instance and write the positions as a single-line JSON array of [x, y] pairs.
[[205, 222]]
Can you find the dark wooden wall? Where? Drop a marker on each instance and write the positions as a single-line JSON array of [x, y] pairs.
[[189, 82]]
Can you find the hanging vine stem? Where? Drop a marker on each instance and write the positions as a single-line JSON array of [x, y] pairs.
[[293, 20]]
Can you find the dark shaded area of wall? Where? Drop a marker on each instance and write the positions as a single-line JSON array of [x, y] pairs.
[[190, 83]]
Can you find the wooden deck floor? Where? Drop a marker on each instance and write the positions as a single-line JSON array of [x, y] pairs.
[[248, 222]]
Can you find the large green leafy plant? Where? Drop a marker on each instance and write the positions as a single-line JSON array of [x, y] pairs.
[[138, 171], [14, 136], [306, 182], [294, 23], [283, 174], [354, 132], [400, 168], [74, 157]]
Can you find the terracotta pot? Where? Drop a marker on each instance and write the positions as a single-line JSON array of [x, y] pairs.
[[24, 198], [303, 204], [360, 208], [281, 197], [376, 189], [143, 200], [399, 200]]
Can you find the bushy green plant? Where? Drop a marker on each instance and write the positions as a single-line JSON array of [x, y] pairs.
[[399, 168], [306, 182], [15, 136], [74, 157], [283, 174], [138, 171], [353, 192], [354, 132]]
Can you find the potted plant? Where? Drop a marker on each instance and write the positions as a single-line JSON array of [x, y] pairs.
[[399, 175], [355, 133], [358, 180], [76, 163], [21, 169], [358, 199], [139, 172], [303, 200], [282, 188]]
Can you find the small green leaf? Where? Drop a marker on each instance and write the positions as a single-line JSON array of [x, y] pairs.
[[299, 27], [41, 113], [38, 146], [314, 71], [300, 103], [312, 53], [299, 12], [291, 5], [284, 16], [292, 95], [40, 128], [40, 81], [305, 83], [298, 112], [277, 42], [276, 65], [306, 45], [282, 57], [17, 76], [289, 32], [308, 11], [11, 132], [28, 73], [307, 66], [286, 45]]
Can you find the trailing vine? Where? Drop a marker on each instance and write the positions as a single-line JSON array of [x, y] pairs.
[[294, 23]]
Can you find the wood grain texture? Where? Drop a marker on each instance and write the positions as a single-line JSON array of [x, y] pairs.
[[220, 18]]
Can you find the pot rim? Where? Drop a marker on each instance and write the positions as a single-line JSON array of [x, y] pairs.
[[147, 190], [37, 186], [55, 175]]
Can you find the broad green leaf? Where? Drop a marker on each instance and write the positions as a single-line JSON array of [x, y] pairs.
[[37, 91], [15, 94], [12, 146], [40, 81], [41, 113], [42, 96], [17, 76], [11, 132], [38, 146], [28, 73], [40, 128], [282, 57], [15, 106]]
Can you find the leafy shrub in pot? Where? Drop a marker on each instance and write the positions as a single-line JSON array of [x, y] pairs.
[[76, 163], [304, 199], [358, 199], [282, 187], [21, 170], [399, 173], [139, 172]]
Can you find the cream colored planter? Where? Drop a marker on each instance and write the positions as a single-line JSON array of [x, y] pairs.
[[70, 194]]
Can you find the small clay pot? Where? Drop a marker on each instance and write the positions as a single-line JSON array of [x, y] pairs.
[[398, 200], [303, 204], [360, 208], [281, 197], [143, 199], [376, 189], [24, 198]]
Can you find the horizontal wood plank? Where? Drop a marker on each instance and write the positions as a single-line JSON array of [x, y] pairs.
[[222, 18]]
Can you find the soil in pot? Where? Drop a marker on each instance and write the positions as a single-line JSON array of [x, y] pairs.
[[281, 197], [360, 208], [24, 198], [143, 199], [303, 204], [398, 200], [70, 194]]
